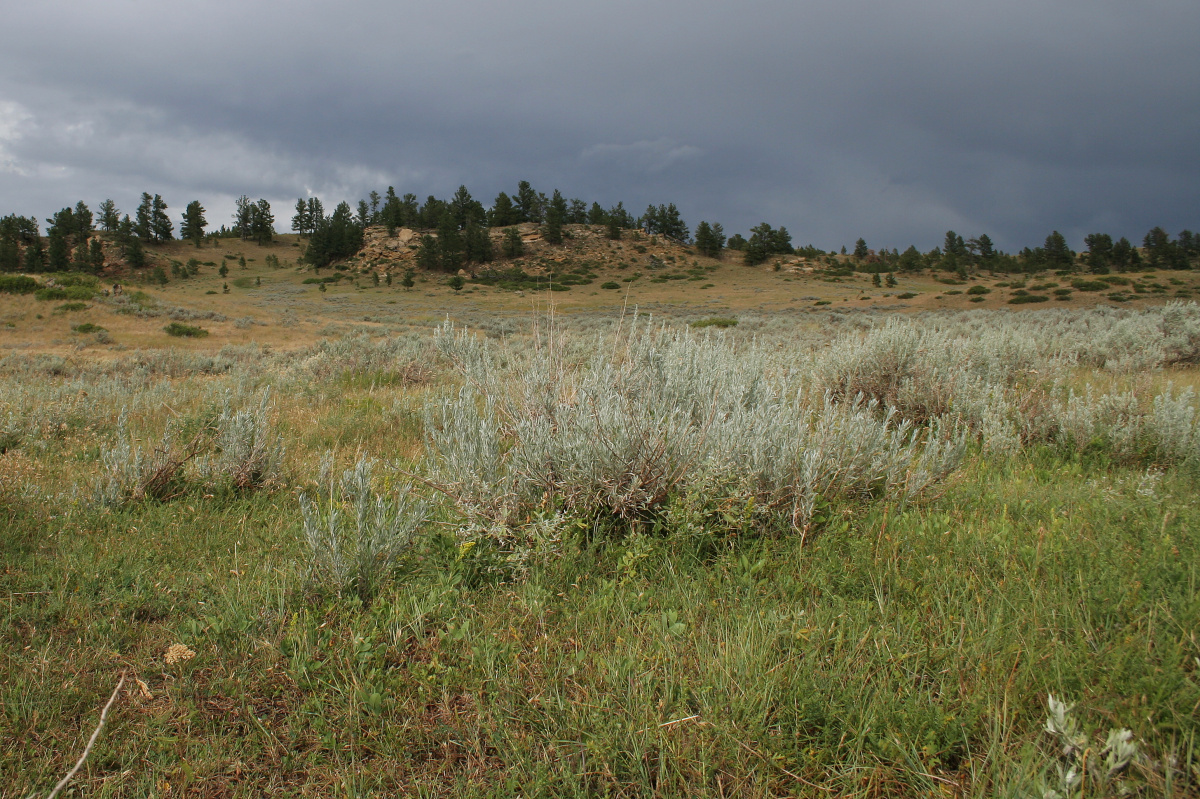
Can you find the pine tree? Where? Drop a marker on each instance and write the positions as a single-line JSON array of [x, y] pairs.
[[243, 216], [465, 209], [194, 223], [502, 213], [450, 243], [10, 253], [135, 255], [860, 249], [58, 251], [143, 224], [35, 256], [82, 261], [407, 281], [428, 254], [528, 204], [891, 280], [300, 221], [512, 246], [477, 243], [161, 223], [710, 239], [83, 221], [316, 213], [1057, 254], [110, 217], [262, 222], [555, 215]]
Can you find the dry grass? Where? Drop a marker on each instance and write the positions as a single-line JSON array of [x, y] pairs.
[[283, 312]]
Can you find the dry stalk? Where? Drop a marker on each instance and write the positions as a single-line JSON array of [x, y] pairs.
[[91, 741]]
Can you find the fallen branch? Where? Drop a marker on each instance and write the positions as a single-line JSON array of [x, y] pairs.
[[91, 741]]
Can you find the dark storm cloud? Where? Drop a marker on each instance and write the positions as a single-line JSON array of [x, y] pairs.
[[889, 120]]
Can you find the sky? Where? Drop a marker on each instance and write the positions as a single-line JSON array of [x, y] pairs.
[[890, 120]]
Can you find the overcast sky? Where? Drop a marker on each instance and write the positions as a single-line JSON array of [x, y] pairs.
[[893, 120]]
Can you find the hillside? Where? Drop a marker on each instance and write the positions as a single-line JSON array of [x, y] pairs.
[[270, 296]]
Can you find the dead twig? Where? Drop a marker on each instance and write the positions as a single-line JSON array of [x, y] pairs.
[[91, 741]]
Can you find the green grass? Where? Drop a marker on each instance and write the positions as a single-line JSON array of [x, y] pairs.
[[904, 648]]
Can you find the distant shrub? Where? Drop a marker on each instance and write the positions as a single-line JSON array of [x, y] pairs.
[[179, 329], [87, 327], [713, 321], [977, 290], [610, 285], [908, 295], [18, 284], [1022, 299], [65, 293], [1089, 285], [72, 306]]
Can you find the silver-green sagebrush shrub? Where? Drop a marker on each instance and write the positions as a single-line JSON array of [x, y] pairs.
[[249, 451], [648, 415], [130, 474], [356, 535], [1082, 760]]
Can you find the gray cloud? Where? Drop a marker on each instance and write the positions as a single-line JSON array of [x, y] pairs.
[[889, 120]]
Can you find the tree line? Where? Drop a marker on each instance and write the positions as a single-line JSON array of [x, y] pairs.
[[71, 243], [455, 234]]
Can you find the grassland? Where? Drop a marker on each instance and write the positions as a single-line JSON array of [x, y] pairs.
[[708, 641]]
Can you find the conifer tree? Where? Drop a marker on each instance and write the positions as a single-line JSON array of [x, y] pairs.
[[450, 243], [243, 216], [502, 212], [300, 221], [83, 221], [262, 222], [555, 215], [194, 223], [35, 256], [135, 256], [528, 204], [512, 246], [160, 223], [110, 217], [58, 252]]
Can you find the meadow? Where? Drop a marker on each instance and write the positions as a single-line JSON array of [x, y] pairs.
[[368, 541]]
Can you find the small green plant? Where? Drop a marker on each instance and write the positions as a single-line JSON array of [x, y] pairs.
[[610, 285], [87, 327], [67, 307], [908, 295], [978, 290], [355, 536], [1084, 761], [178, 329], [1022, 299]]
